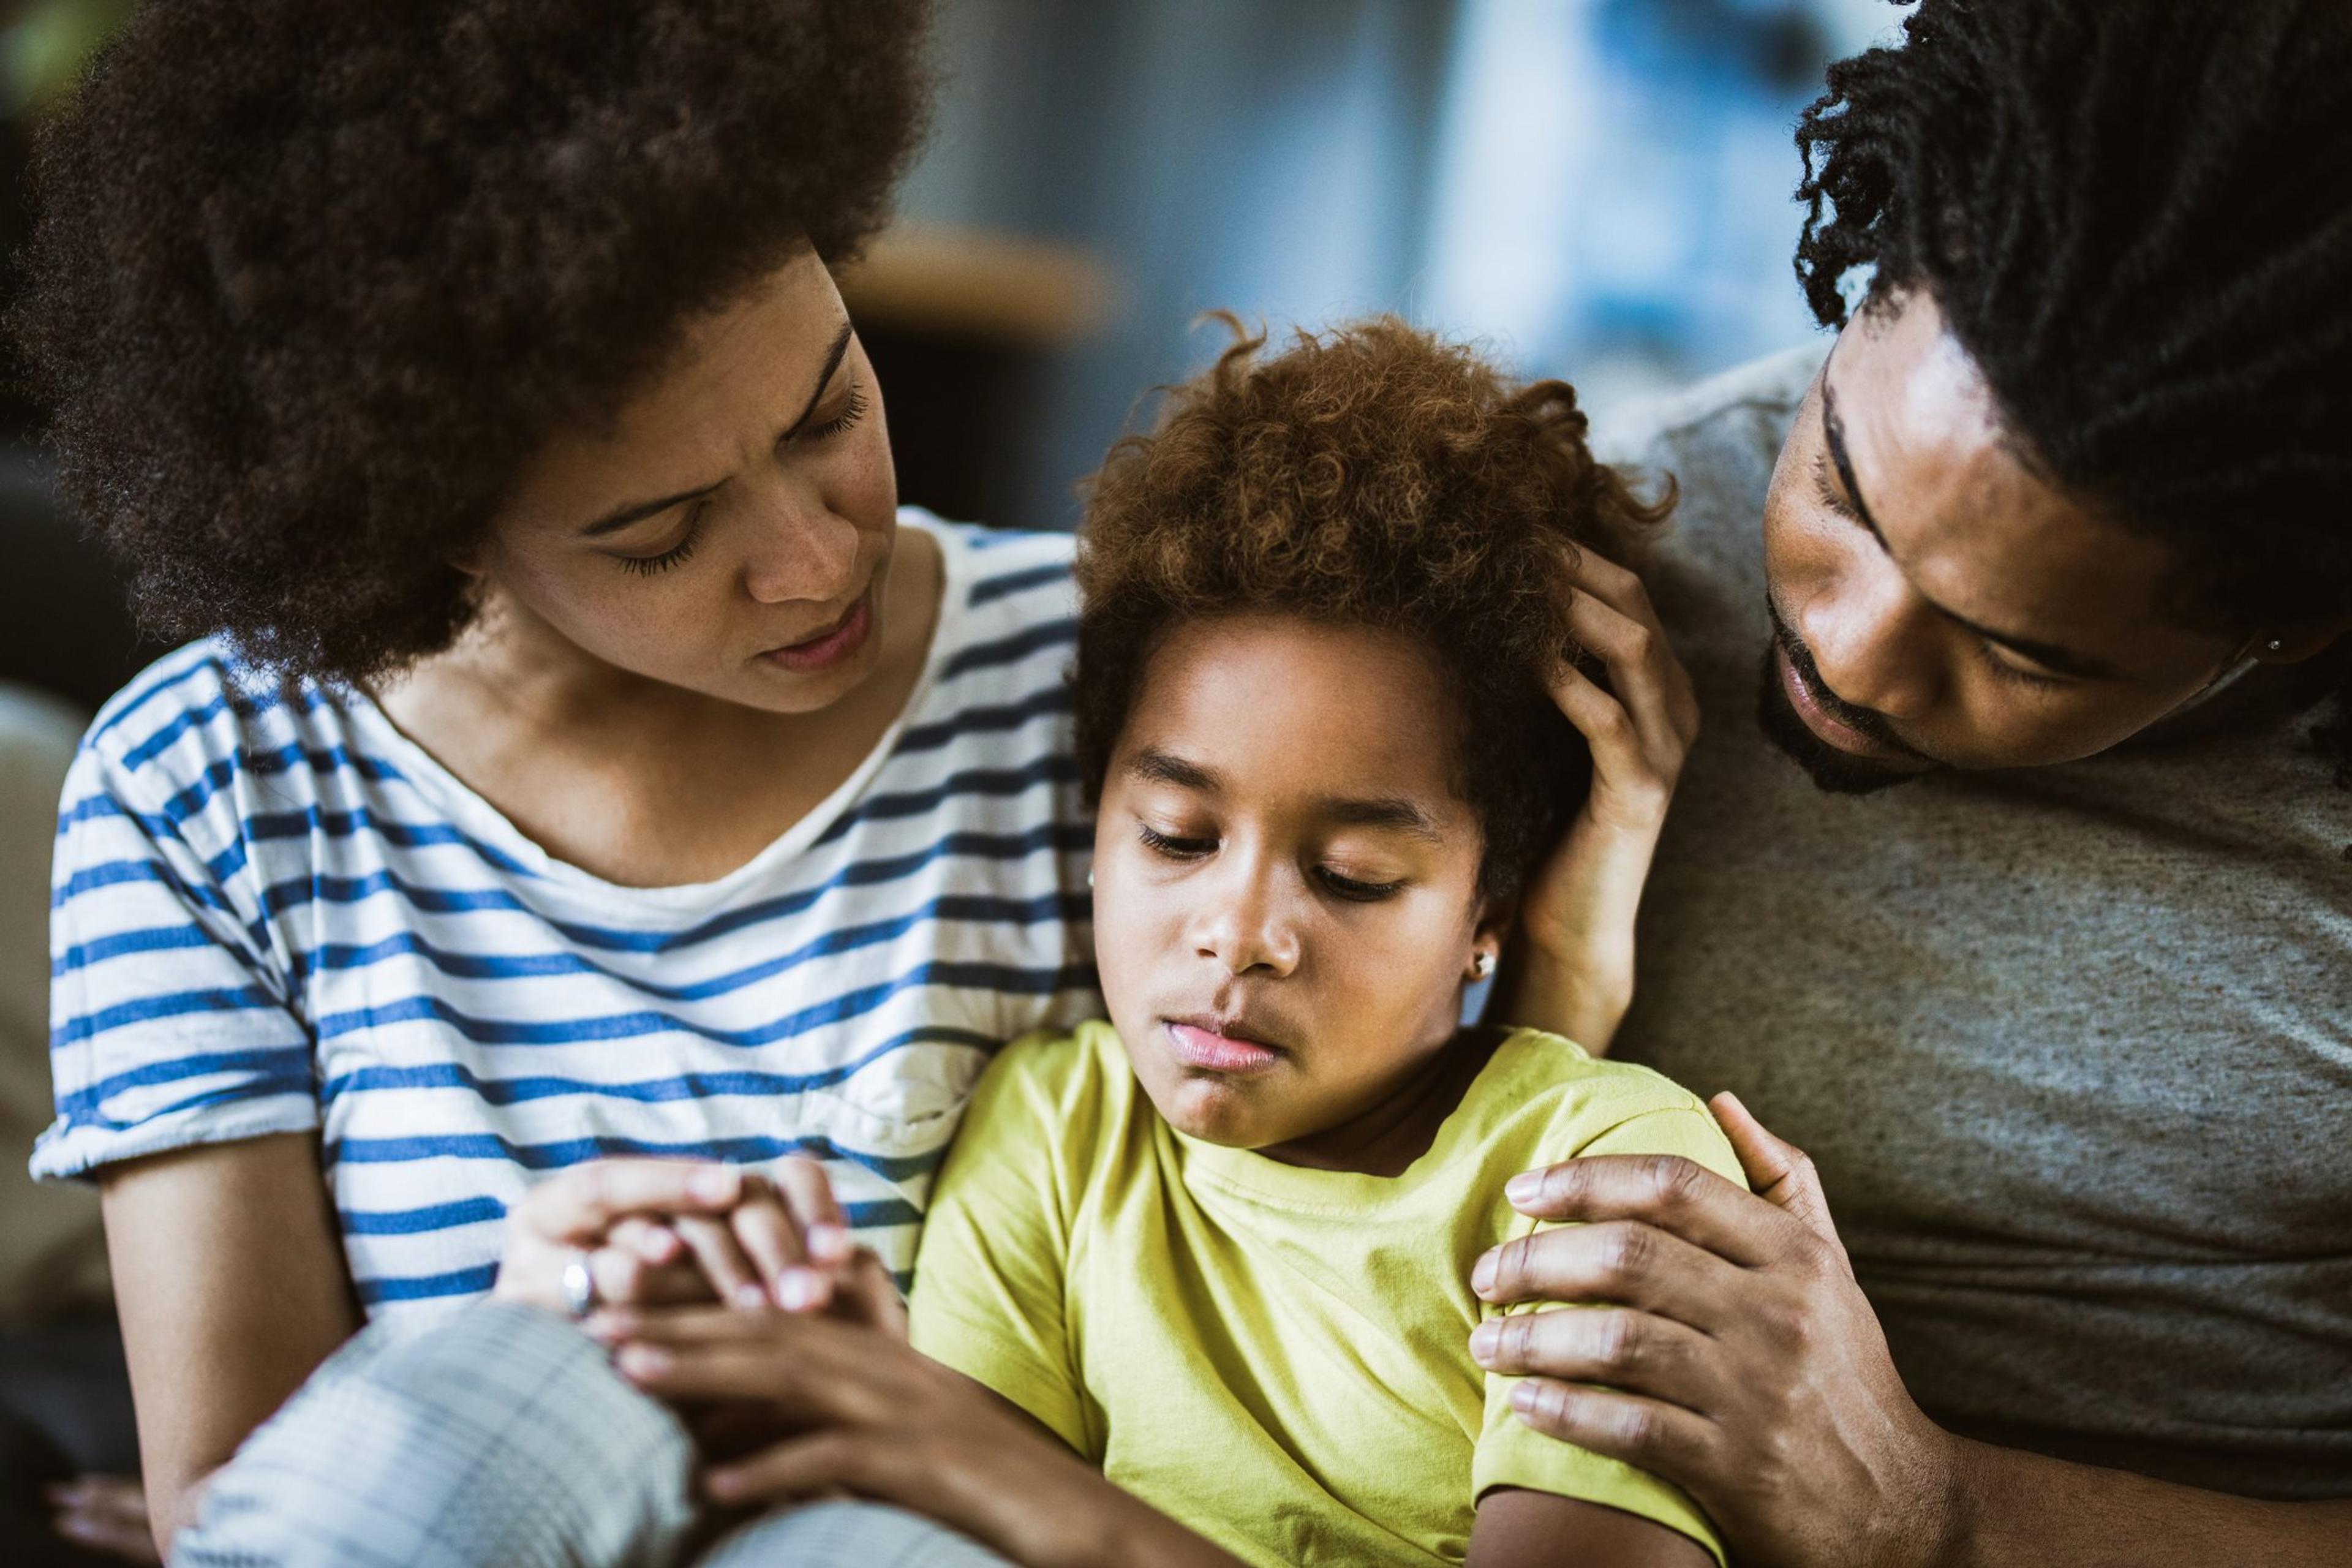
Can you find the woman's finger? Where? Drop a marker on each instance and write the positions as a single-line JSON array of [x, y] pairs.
[[1638, 1352], [579, 1203], [715, 1251], [771, 1238], [649, 1240], [824, 1224]]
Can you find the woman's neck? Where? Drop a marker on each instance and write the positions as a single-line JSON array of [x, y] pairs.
[[1387, 1136]]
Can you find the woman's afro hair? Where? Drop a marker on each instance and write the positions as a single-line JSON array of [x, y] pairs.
[[310, 283], [1369, 476]]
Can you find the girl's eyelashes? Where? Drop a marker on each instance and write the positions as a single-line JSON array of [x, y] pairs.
[[1173, 846], [677, 555], [1358, 892], [851, 413], [1176, 846]]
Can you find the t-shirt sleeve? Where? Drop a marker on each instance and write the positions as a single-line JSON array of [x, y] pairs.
[[170, 1024], [1510, 1453], [989, 1297]]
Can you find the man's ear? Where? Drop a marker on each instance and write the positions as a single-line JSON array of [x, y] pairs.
[[2303, 639]]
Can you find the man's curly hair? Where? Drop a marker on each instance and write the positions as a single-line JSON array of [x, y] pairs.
[[1370, 476], [2135, 216], [310, 283]]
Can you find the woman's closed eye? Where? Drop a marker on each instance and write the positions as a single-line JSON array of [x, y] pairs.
[[675, 555]]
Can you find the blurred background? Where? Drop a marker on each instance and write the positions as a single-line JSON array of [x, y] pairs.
[[1595, 189], [1592, 189]]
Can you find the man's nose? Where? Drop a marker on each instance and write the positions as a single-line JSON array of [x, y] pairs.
[[1875, 642]]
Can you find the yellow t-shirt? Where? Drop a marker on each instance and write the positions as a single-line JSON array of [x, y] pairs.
[[1278, 1357]]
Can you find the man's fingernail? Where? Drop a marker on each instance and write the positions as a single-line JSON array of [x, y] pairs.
[[1525, 1187], [1482, 1278], [1482, 1340], [796, 1292], [716, 1183], [749, 1296]]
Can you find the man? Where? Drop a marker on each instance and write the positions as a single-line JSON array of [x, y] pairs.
[[2042, 948]]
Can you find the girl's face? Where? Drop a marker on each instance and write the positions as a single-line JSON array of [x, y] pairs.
[[732, 532], [1287, 899]]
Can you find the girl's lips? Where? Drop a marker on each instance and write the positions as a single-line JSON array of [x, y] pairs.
[[827, 648], [1200, 1047]]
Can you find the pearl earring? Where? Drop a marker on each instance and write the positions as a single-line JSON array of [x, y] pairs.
[[1090, 881], [1482, 966], [2275, 644]]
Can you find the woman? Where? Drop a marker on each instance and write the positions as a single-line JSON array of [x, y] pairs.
[[585, 762]]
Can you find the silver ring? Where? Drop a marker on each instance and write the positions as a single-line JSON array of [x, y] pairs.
[[579, 1288]]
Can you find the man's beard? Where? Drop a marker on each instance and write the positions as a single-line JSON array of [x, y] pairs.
[[1831, 770]]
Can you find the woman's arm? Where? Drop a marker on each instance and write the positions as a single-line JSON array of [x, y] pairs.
[[1521, 1529], [230, 1280]]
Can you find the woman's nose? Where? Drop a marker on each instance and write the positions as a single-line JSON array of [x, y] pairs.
[[801, 550]]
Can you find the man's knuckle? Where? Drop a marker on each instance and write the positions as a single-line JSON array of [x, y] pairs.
[[1628, 1250]]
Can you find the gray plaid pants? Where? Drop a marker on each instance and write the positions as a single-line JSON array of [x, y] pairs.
[[503, 1439]]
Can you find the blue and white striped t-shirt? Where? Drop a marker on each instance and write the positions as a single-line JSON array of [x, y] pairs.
[[272, 913]]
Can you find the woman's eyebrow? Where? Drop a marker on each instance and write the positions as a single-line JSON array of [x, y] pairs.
[[833, 358], [637, 511]]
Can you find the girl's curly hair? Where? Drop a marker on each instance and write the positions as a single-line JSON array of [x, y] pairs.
[[310, 283], [1369, 475]]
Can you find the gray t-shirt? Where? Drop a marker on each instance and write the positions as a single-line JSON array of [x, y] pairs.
[[2071, 1046]]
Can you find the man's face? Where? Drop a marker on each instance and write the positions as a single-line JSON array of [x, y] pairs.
[[1935, 603]]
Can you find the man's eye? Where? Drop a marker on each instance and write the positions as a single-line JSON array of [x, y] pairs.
[[1171, 844]]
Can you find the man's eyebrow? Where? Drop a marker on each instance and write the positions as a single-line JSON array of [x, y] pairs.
[[2050, 656], [637, 511]]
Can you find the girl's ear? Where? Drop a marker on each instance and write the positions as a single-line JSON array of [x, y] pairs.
[[1494, 929]]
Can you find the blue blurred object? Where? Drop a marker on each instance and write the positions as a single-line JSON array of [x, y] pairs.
[[1598, 189]]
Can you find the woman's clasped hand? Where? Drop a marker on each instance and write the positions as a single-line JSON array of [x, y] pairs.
[[670, 1233]]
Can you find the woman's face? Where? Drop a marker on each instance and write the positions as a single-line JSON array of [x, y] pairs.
[[731, 531], [1286, 896]]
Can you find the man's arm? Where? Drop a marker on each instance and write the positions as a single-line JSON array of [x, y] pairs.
[[1520, 1529], [1744, 1365], [230, 1280]]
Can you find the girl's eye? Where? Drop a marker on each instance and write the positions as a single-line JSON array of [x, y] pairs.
[[850, 415], [677, 555], [1171, 845], [1358, 892]]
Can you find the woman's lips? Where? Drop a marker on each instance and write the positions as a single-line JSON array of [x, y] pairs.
[[1202, 1047], [829, 648]]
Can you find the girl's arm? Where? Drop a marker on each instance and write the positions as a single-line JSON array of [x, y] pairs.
[[1571, 968], [891, 1423], [230, 1282], [1519, 1528]]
